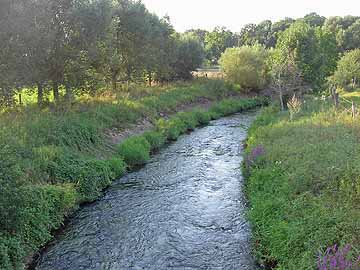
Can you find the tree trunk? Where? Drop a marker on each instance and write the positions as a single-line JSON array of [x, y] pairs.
[[68, 93], [56, 91], [281, 99], [40, 94], [113, 82]]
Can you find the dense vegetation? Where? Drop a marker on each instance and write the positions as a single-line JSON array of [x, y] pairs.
[[85, 64], [304, 188], [73, 47], [52, 160], [246, 66]]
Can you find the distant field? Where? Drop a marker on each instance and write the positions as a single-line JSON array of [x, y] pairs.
[[213, 72]]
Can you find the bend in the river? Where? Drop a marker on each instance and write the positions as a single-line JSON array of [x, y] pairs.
[[183, 210]]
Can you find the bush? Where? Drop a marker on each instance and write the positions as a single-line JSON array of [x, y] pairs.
[[189, 119], [117, 167], [135, 151], [36, 210], [347, 73], [246, 66], [171, 128], [202, 117], [156, 139]]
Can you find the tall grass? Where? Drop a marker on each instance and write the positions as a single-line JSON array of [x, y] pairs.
[[53, 159], [304, 186]]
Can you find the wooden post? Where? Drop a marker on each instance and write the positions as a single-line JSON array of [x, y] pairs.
[[335, 96], [20, 99], [353, 110]]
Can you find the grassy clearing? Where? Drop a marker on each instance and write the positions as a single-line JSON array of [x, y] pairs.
[[54, 159], [304, 186]]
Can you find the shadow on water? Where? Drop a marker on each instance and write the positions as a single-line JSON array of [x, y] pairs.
[[184, 210]]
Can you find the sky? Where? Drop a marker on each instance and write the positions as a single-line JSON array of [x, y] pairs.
[[233, 14]]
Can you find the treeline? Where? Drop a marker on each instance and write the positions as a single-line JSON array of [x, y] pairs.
[[70, 47], [312, 54], [345, 29]]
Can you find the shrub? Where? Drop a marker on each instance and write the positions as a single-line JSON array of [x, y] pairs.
[[92, 176], [202, 117], [156, 139], [171, 128], [37, 211], [246, 66], [117, 166], [189, 119], [135, 151], [347, 73]]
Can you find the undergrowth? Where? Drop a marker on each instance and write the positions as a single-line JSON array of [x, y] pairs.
[[55, 158], [304, 186]]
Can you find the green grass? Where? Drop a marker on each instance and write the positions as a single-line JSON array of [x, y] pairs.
[[304, 190], [155, 139], [54, 158], [135, 151]]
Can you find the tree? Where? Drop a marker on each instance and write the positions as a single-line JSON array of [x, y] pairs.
[[10, 50], [216, 43], [248, 35], [286, 78], [299, 42], [189, 55], [352, 36], [200, 33], [277, 28], [347, 73], [339, 26], [246, 66], [252, 34], [314, 20]]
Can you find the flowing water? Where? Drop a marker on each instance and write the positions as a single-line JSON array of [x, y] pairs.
[[184, 210]]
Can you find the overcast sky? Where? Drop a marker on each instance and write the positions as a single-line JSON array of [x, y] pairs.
[[205, 14]]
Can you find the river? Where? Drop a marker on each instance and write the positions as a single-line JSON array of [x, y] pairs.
[[184, 210]]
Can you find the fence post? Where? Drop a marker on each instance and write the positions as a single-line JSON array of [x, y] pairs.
[[335, 97], [353, 109]]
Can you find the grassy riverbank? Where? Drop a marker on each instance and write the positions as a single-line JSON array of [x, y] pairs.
[[55, 158], [304, 188]]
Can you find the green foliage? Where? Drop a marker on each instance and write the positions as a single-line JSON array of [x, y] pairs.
[[53, 159], [230, 106], [171, 128], [156, 139], [189, 119], [217, 41], [312, 50], [117, 166], [135, 151], [37, 211], [189, 56], [246, 66], [348, 70], [202, 117], [304, 191]]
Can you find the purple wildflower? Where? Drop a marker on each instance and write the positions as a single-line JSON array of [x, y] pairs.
[[336, 258], [255, 153]]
